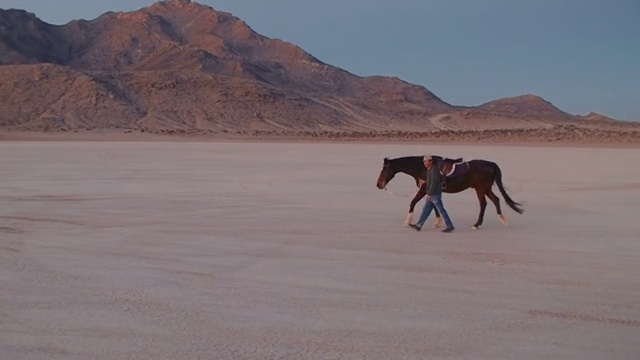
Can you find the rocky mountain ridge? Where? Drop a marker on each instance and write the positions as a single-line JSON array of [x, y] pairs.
[[178, 66]]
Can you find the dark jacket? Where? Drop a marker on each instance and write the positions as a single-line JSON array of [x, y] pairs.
[[434, 181]]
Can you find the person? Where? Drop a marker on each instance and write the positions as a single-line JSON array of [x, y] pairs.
[[434, 197]]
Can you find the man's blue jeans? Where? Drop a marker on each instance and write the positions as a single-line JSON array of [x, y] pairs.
[[434, 201]]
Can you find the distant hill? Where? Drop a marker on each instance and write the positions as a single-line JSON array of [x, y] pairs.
[[179, 65]]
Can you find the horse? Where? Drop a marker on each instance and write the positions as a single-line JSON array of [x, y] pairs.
[[412, 166], [477, 174]]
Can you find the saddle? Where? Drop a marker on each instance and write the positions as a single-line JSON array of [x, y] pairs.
[[452, 168]]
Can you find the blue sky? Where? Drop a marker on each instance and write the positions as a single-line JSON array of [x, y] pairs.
[[581, 55]]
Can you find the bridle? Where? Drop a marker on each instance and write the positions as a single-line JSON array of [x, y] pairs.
[[386, 168]]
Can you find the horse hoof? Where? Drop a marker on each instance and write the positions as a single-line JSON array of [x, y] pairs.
[[474, 227], [408, 219]]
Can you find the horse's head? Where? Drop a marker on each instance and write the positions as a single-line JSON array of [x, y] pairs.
[[386, 174]]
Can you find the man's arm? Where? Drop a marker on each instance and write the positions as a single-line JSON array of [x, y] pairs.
[[422, 178], [431, 180]]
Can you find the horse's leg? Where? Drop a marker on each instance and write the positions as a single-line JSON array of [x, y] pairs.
[[437, 223], [496, 202], [483, 206], [419, 195]]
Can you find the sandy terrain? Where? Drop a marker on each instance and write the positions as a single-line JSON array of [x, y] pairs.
[[184, 250], [569, 136]]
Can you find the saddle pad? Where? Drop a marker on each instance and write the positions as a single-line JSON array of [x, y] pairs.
[[458, 169]]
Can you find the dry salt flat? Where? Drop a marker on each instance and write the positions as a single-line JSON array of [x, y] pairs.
[[214, 250]]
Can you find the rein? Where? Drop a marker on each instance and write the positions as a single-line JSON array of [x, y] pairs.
[[402, 195]]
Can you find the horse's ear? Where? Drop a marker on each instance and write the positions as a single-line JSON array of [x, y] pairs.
[[386, 160]]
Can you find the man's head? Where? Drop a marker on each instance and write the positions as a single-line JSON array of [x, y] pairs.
[[427, 160]]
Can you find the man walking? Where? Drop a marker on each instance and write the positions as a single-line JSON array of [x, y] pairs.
[[434, 197]]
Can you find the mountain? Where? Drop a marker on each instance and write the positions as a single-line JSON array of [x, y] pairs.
[[181, 66]]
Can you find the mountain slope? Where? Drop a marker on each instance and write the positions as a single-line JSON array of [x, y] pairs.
[[181, 65]]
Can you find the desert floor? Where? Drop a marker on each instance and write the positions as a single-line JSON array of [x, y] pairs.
[[231, 250]]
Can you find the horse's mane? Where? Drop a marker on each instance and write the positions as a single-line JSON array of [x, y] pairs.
[[418, 159], [405, 158]]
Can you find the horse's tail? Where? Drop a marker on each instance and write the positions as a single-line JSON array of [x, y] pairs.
[[497, 177]]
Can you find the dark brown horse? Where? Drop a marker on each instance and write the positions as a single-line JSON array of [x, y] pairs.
[[477, 174]]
